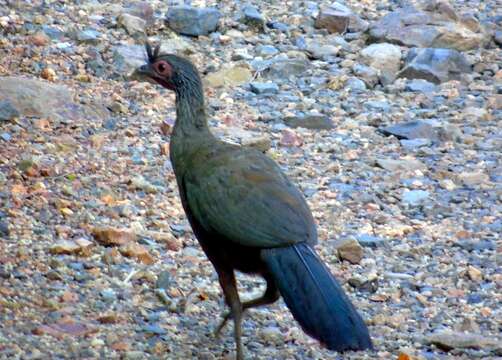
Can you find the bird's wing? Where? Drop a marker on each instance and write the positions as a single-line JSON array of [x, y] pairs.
[[243, 196]]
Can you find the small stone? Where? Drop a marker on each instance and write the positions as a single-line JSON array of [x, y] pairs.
[[414, 197], [283, 69], [48, 74], [448, 340], [154, 329], [289, 138], [355, 85], [415, 143], [108, 295], [420, 85], [317, 121], [474, 273], [140, 183], [262, 143], [252, 17], [88, 36], [132, 24], [40, 39], [405, 163], [64, 247], [447, 184], [473, 178], [350, 250], [113, 236], [164, 280], [192, 21], [370, 241], [272, 334], [7, 111], [367, 74], [137, 251], [4, 229], [264, 88], [266, 50]]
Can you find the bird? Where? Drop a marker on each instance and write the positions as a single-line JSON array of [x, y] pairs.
[[249, 217]]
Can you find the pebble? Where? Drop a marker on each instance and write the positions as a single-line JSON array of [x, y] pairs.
[[252, 17], [414, 197], [350, 250], [315, 121], [264, 88]]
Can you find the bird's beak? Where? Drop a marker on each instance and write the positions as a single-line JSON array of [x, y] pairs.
[[144, 73]]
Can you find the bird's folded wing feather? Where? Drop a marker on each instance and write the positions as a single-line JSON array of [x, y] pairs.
[[245, 198]]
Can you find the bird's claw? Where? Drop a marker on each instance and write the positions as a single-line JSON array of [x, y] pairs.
[[227, 316]]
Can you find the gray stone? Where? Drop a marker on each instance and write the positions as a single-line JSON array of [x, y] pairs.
[[264, 88], [414, 197], [497, 37], [355, 85], [132, 24], [415, 143], [371, 241], [36, 98], [318, 121], [367, 74], [154, 329], [286, 68], [433, 26], [4, 229], [377, 105], [324, 52], [266, 50], [7, 111], [88, 36], [252, 17], [192, 21], [435, 65], [164, 280], [420, 85], [403, 164], [410, 130]]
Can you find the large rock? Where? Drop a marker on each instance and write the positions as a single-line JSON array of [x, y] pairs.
[[435, 25], [229, 76], [134, 25], [448, 340], [36, 98], [192, 21], [386, 58], [435, 65]]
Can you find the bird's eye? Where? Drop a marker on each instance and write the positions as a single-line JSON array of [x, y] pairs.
[[162, 68]]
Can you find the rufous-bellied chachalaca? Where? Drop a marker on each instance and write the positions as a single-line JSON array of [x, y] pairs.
[[248, 216]]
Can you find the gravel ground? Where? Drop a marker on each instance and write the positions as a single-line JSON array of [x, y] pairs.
[[387, 116]]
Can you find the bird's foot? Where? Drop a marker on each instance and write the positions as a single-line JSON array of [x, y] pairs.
[[227, 316]]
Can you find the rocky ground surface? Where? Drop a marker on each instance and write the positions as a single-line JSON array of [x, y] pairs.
[[387, 114]]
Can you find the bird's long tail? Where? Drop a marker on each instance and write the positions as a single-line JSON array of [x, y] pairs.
[[315, 298]]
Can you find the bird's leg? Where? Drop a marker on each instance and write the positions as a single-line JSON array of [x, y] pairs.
[[229, 286], [270, 296]]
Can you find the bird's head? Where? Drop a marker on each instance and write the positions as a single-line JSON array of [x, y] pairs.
[[170, 71]]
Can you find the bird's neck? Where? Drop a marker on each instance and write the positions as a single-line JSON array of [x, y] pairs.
[[191, 131], [191, 113]]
